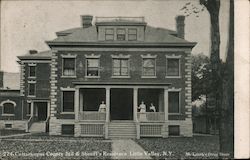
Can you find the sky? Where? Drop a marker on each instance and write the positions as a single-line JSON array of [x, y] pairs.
[[26, 25]]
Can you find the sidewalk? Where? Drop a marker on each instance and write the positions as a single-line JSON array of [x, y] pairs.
[[127, 149]]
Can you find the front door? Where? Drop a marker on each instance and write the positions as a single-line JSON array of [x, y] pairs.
[[121, 104], [42, 110]]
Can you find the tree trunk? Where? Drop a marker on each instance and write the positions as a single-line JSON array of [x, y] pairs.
[[227, 124]]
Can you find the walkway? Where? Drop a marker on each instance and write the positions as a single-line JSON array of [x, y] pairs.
[[127, 149]]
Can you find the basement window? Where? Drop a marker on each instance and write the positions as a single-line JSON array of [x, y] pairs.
[[68, 129], [8, 125], [174, 130]]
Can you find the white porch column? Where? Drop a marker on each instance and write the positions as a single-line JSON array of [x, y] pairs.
[[107, 104], [166, 103], [48, 107], [32, 109], [135, 103], [77, 104]]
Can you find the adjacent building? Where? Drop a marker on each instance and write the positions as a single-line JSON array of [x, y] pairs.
[[119, 62]]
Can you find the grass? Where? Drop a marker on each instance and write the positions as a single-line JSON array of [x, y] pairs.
[[197, 147], [51, 147]]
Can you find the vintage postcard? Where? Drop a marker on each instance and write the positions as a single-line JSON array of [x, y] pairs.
[[113, 79]]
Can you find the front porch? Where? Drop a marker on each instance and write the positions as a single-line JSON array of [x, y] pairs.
[[121, 111]]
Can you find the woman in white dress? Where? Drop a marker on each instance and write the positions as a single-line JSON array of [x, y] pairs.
[[102, 107]]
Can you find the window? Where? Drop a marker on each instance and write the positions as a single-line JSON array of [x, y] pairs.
[[121, 34], [68, 66], [32, 71], [109, 34], [174, 102], [148, 67], [92, 67], [132, 34], [174, 130], [120, 67], [8, 125], [28, 109], [31, 89], [68, 101], [68, 129], [8, 108], [173, 67]]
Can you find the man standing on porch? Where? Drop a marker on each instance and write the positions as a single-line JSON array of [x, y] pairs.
[[142, 107], [102, 107]]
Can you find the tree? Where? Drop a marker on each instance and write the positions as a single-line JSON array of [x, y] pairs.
[[222, 87]]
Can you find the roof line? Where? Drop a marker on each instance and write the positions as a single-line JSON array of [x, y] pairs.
[[145, 44]]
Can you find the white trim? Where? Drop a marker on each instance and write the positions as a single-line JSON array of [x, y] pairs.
[[173, 56], [69, 55], [92, 77], [8, 101], [120, 56], [63, 76], [67, 89], [31, 81], [92, 56], [148, 56], [148, 76], [3, 114], [36, 61], [67, 113], [31, 64], [120, 77], [172, 76], [173, 89], [120, 86]]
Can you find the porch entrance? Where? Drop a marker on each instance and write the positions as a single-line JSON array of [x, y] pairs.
[[121, 104], [42, 110]]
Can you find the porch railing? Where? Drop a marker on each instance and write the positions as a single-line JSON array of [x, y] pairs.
[[150, 116], [92, 116], [29, 123]]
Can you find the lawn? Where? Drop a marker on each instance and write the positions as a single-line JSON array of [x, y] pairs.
[[197, 147], [51, 147]]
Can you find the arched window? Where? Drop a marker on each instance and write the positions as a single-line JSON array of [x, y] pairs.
[[8, 107]]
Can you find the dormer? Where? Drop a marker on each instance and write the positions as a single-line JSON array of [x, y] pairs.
[[120, 29]]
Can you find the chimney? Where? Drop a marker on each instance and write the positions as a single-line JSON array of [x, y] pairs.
[[180, 26], [86, 21], [33, 51]]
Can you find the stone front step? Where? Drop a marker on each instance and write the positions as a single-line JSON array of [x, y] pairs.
[[120, 129], [38, 127]]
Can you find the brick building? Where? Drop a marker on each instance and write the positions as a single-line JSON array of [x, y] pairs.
[[119, 61]]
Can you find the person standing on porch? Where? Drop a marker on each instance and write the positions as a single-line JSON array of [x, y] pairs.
[[152, 108], [142, 107], [102, 107]]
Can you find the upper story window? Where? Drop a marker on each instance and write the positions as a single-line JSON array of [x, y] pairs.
[[132, 34], [173, 67], [8, 107], [109, 34], [32, 70], [68, 101], [148, 67], [31, 88], [174, 102], [121, 34], [92, 69], [68, 66], [120, 67]]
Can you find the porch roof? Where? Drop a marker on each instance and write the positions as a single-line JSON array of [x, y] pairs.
[[122, 83]]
